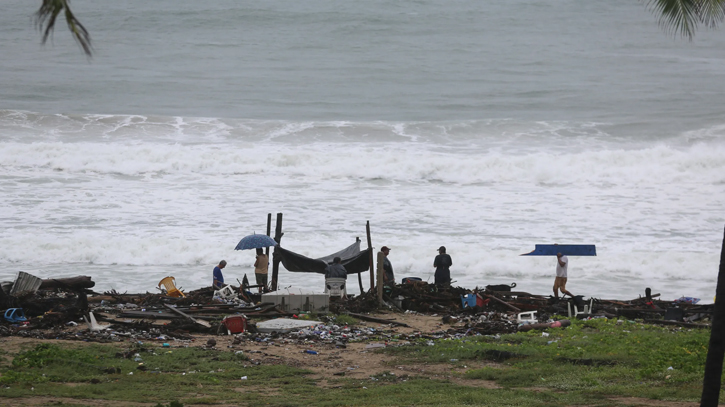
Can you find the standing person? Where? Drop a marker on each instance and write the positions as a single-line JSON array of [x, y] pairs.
[[261, 269], [336, 269], [218, 282], [388, 275], [562, 264], [442, 263]]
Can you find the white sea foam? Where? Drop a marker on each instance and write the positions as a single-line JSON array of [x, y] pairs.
[[130, 199]]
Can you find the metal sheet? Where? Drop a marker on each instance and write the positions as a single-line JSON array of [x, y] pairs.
[[25, 282]]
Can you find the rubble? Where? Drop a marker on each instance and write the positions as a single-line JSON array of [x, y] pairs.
[[57, 310]]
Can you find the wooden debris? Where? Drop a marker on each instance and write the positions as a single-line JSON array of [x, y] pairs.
[[493, 297], [72, 283], [196, 321], [378, 320]]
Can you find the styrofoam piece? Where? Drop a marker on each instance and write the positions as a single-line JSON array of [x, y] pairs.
[[283, 325]]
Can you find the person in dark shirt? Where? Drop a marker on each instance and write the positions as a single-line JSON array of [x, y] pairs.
[[388, 276], [336, 269], [218, 282], [442, 263]]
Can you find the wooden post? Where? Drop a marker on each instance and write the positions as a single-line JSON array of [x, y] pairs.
[[381, 273], [6, 301], [716, 350], [372, 265], [276, 259], [359, 277], [269, 230]]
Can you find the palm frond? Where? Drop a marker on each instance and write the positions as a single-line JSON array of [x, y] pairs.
[[677, 15], [683, 16], [711, 12], [45, 21]]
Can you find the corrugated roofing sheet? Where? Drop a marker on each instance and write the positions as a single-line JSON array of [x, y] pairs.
[[25, 282]]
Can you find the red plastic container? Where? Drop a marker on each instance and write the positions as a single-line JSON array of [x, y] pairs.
[[235, 324]]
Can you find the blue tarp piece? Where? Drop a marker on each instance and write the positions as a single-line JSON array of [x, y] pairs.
[[565, 249]]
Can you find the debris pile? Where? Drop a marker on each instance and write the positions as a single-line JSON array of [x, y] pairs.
[[50, 308]]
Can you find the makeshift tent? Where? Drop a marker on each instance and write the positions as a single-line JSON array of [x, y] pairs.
[[354, 260]]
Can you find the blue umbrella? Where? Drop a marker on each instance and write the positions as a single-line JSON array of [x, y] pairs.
[[255, 241]]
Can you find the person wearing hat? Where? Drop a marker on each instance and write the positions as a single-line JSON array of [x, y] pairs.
[[388, 276], [442, 263]]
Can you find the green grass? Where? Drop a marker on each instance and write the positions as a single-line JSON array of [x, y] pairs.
[[596, 356], [584, 364], [344, 319]]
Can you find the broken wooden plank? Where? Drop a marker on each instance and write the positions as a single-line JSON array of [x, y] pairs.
[[378, 320], [196, 321], [148, 315], [493, 297]]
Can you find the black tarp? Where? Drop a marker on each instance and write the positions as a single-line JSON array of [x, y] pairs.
[[354, 260]]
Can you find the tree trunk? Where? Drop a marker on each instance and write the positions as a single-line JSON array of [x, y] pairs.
[[716, 350], [276, 259]]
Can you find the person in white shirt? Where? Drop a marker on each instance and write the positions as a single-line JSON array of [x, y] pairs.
[[562, 263]]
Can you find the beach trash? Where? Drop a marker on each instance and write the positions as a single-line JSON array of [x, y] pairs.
[[468, 301], [15, 315], [674, 314], [472, 300], [526, 317], [336, 287], [226, 293], [235, 324], [169, 285]]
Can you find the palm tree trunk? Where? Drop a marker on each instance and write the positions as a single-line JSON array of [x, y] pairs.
[[716, 350]]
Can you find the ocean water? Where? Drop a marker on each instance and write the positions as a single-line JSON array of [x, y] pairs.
[[487, 128]]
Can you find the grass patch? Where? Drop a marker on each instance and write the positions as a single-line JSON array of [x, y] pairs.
[[189, 375], [344, 319], [596, 356], [584, 364]]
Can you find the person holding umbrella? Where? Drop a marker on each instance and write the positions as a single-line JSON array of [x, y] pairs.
[[261, 264], [261, 269]]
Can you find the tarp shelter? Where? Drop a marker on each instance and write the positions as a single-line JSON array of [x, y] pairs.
[[354, 260]]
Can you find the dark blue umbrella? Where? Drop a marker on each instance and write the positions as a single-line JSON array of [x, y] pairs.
[[255, 241]]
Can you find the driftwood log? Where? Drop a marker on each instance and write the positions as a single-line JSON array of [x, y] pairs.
[[71, 283]]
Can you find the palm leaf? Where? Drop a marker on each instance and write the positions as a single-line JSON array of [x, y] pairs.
[[683, 16], [712, 12], [45, 20]]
